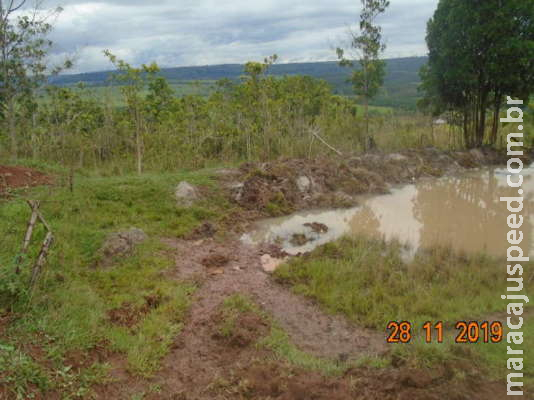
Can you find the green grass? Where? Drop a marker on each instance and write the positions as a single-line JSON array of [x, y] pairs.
[[113, 93], [464, 359], [368, 281], [25, 377], [232, 307], [68, 312]]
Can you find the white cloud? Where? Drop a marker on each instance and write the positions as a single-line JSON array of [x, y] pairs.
[[200, 32]]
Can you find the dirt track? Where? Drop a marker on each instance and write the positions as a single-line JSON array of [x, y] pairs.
[[201, 366]]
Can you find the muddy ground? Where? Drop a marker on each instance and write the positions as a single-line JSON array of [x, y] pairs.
[[21, 177], [281, 187], [202, 365]]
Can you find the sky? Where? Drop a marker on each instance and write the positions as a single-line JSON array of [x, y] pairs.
[[206, 32]]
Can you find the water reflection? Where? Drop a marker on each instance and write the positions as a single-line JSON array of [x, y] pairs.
[[463, 212]]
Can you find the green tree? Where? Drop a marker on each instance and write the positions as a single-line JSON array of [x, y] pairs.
[[160, 96], [133, 81], [23, 67], [479, 52], [367, 46]]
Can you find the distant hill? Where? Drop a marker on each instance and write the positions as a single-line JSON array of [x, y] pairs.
[[400, 88]]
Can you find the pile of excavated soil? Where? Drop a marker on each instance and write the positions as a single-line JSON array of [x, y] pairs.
[[21, 177], [283, 186]]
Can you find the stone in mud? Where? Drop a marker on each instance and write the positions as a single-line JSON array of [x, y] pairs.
[[270, 264], [304, 184], [317, 227], [236, 190], [120, 244], [299, 239], [342, 199], [186, 194], [396, 157]]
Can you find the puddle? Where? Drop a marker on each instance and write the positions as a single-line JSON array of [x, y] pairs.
[[463, 212]]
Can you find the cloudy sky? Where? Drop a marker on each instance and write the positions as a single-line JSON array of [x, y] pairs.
[[201, 32]]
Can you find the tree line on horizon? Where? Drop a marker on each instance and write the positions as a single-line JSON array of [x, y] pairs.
[[479, 52]]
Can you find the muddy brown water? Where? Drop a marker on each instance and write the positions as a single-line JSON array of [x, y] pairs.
[[463, 212]]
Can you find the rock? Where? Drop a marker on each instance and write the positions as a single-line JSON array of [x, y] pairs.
[[299, 239], [218, 271], [341, 198], [317, 227], [270, 264], [120, 244], [304, 184], [186, 194], [236, 190], [396, 157]]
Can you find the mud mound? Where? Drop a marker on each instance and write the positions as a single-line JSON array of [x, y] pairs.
[[246, 329], [119, 244], [277, 188], [281, 382], [20, 177], [129, 315], [283, 186], [216, 260], [276, 381], [205, 230]]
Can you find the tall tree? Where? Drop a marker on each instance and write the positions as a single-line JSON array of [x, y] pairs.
[[133, 81], [23, 50], [479, 52], [367, 46]]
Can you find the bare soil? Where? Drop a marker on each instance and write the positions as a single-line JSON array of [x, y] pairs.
[[276, 188], [315, 331], [264, 380], [20, 177], [204, 364]]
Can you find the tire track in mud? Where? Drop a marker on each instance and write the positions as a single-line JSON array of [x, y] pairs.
[[197, 358], [310, 328]]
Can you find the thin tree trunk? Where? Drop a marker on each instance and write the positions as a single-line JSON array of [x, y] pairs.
[[467, 142], [11, 126], [495, 124], [314, 132], [138, 143], [366, 117], [482, 110]]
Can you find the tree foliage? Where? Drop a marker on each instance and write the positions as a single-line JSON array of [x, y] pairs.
[[134, 81], [23, 65], [479, 52], [368, 47]]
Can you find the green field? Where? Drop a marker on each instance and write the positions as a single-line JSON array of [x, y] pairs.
[[399, 91]]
